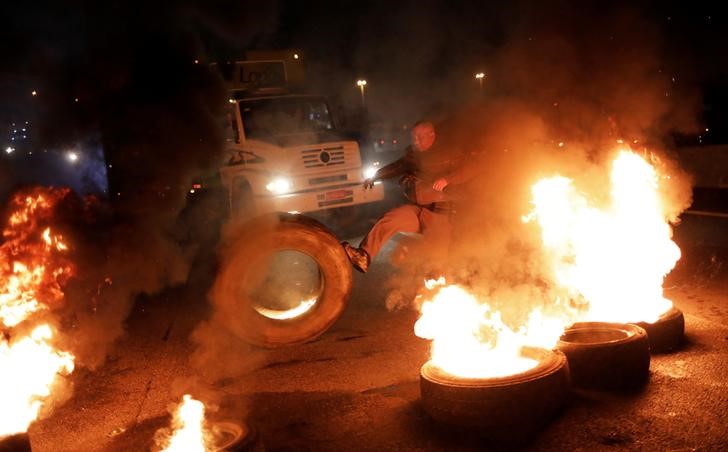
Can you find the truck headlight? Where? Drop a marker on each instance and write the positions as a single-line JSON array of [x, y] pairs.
[[370, 170], [278, 186]]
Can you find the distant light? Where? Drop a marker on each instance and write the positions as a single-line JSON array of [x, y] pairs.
[[192, 191], [561, 144], [75, 100], [361, 83], [294, 212], [232, 101], [72, 156], [479, 75], [34, 93], [9, 150], [295, 56], [197, 61], [707, 129]]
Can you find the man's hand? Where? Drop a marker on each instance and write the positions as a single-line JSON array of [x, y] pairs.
[[368, 183], [440, 184]]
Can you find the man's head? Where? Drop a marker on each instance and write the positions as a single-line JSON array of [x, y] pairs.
[[423, 136]]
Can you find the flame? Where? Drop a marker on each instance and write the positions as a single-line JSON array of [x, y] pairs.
[[32, 275], [32, 271], [30, 370], [470, 339], [614, 258], [188, 432]]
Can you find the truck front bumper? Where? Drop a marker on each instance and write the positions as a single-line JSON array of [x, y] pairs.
[[320, 199]]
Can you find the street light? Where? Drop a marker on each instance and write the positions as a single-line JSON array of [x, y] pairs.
[[361, 84], [479, 77]]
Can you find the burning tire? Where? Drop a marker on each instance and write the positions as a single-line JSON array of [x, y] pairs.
[[608, 356], [668, 333], [19, 442], [499, 407], [257, 294], [234, 437]]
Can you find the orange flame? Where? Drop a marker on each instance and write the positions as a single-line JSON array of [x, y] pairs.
[[470, 339], [32, 272], [30, 370], [613, 258], [188, 432], [32, 275]]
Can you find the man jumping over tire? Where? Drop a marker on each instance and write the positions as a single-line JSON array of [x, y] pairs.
[[426, 169]]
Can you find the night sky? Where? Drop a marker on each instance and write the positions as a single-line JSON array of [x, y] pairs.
[[117, 74]]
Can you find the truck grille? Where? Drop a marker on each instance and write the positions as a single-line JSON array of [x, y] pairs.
[[323, 157]]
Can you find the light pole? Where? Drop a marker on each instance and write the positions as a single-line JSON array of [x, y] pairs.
[[361, 84], [479, 77]]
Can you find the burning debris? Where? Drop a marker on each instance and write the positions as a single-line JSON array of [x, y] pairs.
[[33, 273], [607, 253], [192, 432], [613, 258], [470, 338], [189, 432]]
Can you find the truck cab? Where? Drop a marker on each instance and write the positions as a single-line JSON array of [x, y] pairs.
[[284, 151]]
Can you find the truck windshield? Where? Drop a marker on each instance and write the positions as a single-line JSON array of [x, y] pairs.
[[285, 116]]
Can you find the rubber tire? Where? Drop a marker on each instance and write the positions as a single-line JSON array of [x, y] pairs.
[[242, 438], [668, 333], [501, 408], [19, 442], [616, 364], [260, 238]]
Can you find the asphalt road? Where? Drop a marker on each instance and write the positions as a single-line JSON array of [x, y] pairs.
[[357, 386]]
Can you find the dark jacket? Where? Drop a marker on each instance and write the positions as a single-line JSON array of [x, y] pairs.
[[418, 170]]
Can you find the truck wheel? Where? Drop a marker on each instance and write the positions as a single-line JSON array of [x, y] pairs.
[[295, 302]]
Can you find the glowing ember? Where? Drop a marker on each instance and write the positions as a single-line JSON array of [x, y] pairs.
[[469, 338], [614, 258], [30, 369], [31, 270], [188, 432], [32, 275]]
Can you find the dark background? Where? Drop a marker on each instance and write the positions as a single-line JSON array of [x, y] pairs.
[[129, 81]]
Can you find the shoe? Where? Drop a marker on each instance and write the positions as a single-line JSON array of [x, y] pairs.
[[359, 258]]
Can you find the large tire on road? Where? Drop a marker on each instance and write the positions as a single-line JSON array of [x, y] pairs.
[[667, 333], [503, 408], [256, 242], [606, 356]]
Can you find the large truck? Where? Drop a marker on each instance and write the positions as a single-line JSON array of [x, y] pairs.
[[285, 153]]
